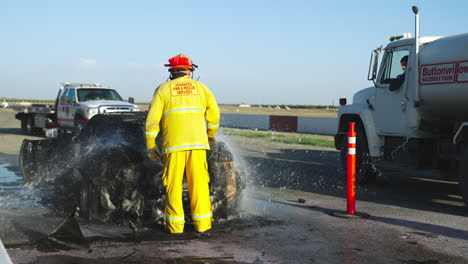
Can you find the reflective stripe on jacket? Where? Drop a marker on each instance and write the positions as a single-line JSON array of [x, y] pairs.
[[188, 113]]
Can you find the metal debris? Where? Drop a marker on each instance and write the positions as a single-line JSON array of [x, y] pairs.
[[68, 235]]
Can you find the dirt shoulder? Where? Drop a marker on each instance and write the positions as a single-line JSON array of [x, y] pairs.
[[11, 135]]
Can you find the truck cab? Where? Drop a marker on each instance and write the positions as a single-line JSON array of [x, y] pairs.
[[78, 103], [393, 119], [378, 110]]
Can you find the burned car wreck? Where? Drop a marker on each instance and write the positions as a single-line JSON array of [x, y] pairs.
[[104, 170]]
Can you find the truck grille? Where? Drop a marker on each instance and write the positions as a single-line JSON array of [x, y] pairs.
[[112, 109]]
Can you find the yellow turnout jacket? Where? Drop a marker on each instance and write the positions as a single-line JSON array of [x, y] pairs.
[[188, 113]]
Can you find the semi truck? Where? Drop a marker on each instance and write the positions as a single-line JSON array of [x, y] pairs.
[[419, 124], [75, 105]]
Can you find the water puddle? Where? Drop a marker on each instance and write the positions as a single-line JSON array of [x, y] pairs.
[[12, 192], [136, 257]]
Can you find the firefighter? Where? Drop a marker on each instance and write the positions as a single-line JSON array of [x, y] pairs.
[[189, 117]]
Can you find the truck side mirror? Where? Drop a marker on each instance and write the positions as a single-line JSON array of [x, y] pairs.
[[374, 61], [131, 100]]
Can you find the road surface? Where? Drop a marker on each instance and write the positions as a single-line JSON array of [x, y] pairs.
[[285, 216]]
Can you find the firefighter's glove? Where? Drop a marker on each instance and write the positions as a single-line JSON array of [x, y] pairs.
[[154, 153], [212, 142]]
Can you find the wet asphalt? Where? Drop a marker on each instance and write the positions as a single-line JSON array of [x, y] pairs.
[[286, 216]]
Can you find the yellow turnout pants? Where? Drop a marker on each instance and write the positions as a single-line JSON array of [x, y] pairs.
[[194, 163]]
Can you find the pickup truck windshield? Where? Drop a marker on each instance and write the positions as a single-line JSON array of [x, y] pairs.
[[98, 94]]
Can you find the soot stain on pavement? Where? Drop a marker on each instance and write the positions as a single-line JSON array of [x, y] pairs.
[[242, 223], [155, 235], [133, 259]]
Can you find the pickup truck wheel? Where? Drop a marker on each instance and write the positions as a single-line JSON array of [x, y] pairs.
[[78, 125], [23, 125], [365, 171], [29, 126], [448, 169], [463, 174]]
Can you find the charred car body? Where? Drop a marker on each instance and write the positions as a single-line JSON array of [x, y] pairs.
[[105, 171]]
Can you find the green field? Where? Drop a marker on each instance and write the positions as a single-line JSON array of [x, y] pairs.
[[283, 137]]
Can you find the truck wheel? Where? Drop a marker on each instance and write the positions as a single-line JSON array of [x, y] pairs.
[[365, 171], [29, 125], [448, 169], [24, 124], [78, 125], [463, 174]]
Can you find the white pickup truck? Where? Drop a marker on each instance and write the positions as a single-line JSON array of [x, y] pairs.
[[75, 105]]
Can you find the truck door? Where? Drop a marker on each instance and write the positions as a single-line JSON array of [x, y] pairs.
[[63, 110], [73, 105], [390, 105]]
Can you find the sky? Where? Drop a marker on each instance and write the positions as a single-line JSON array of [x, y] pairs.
[[291, 52]]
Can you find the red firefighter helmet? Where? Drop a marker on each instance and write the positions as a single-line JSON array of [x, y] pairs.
[[181, 62]]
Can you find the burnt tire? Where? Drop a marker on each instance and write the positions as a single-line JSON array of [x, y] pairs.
[[87, 195], [27, 160], [463, 174], [365, 171], [84, 195]]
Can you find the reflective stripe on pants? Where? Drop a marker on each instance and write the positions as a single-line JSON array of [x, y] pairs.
[[194, 163]]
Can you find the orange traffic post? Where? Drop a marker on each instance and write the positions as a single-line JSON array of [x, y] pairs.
[[351, 171], [350, 180]]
